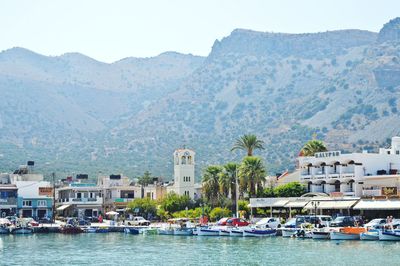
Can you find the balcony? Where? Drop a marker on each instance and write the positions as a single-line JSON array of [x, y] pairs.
[[96, 201], [305, 176]]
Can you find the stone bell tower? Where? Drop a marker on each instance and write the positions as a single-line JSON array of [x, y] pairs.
[[184, 172]]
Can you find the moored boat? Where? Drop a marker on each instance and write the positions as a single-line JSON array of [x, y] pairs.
[[4, 230], [259, 232], [206, 231], [370, 235], [320, 234], [183, 231], [131, 230], [289, 232], [236, 232], [389, 235], [347, 233], [21, 230], [224, 232], [165, 231]]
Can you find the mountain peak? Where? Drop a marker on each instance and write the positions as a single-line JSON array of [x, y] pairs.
[[390, 31]]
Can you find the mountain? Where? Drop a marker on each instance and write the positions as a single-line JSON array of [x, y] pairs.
[[74, 114]]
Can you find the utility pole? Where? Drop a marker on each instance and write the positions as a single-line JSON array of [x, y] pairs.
[[53, 217], [237, 192]]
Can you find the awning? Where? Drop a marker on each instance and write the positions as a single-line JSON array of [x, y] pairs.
[[296, 204], [377, 205], [262, 202], [332, 204], [63, 207], [280, 203]]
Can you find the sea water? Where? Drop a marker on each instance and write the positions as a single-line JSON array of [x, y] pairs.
[[123, 249]]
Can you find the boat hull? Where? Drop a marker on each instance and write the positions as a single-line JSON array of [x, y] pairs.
[[320, 235], [344, 236], [371, 236], [132, 231], [236, 233], [207, 232], [289, 232], [21, 231], [165, 231], [4, 230], [389, 236], [259, 233], [183, 232], [224, 232]]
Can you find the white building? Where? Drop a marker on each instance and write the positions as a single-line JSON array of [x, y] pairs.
[[184, 178], [354, 174]]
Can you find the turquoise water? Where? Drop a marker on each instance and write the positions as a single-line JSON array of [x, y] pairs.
[[121, 249]]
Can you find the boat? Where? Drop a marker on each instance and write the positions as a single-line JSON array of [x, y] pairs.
[[90, 230], [131, 230], [304, 233], [289, 232], [102, 229], [4, 226], [224, 232], [183, 231], [236, 232], [259, 232], [370, 235], [21, 230], [320, 234], [4, 230], [207, 231], [347, 233], [150, 231], [389, 235], [165, 231], [68, 229]]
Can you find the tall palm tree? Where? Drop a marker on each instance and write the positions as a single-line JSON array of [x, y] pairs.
[[210, 184], [312, 147], [252, 174], [248, 143], [227, 181]]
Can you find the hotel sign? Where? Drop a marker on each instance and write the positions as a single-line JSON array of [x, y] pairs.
[[327, 154], [46, 191], [389, 191]]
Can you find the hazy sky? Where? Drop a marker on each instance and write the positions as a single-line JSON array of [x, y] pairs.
[[111, 30]]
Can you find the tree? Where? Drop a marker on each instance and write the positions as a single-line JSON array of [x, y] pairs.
[[248, 143], [312, 147], [210, 184], [218, 213], [146, 206], [173, 202], [292, 189], [251, 173], [227, 181], [145, 179]]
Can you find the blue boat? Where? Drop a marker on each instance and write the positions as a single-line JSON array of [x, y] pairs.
[[131, 230], [259, 232]]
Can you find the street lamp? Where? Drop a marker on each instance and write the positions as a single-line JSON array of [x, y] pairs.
[[315, 204]]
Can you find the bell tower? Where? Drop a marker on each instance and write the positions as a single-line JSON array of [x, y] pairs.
[[184, 172]]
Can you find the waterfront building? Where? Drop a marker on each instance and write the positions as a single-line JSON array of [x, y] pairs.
[[353, 174], [8, 199], [79, 198]]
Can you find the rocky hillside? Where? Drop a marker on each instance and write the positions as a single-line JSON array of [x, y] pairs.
[[74, 114]]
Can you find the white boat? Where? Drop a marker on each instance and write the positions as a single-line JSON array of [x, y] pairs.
[[236, 232], [206, 231], [165, 231], [370, 235], [183, 231], [389, 235], [224, 232], [343, 236], [21, 230], [90, 230], [259, 232], [289, 232], [320, 234]]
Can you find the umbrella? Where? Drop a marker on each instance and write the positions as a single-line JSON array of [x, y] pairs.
[[112, 213]]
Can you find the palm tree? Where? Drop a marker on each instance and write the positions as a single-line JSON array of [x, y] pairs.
[[252, 174], [248, 143], [227, 181], [312, 147], [210, 184]]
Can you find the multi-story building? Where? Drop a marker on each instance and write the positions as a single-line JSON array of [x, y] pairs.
[[353, 174], [79, 198], [8, 197]]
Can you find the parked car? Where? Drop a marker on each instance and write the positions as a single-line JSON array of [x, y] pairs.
[[138, 220], [319, 220], [223, 221], [45, 220], [375, 223], [237, 222], [270, 222], [343, 221]]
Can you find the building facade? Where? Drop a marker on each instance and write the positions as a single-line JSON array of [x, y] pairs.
[[353, 174]]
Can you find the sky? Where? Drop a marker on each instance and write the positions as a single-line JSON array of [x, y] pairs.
[[112, 30]]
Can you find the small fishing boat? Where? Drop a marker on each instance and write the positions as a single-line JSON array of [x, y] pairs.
[[131, 230], [372, 234], [150, 231], [165, 231], [289, 232], [259, 232], [347, 233], [236, 232], [21, 230], [183, 231], [207, 231], [389, 235], [320, 234]]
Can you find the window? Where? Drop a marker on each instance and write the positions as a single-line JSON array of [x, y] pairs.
[[42, 203], [397, 152], [26, 203], [79, 195]]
